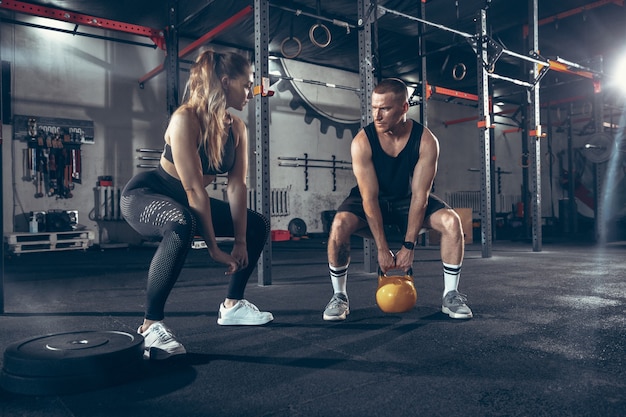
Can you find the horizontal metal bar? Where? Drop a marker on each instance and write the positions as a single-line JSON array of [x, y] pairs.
[[511, 80], [312, 166], [296, 158], [156, 35], [525, 57], [323, 84], [452, 93], [299, 12], [426, 22], [149, 150], [565, 66], [76, 33]]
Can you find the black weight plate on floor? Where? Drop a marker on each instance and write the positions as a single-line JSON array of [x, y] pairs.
[[297, 227], [71, 384], [73, 353]]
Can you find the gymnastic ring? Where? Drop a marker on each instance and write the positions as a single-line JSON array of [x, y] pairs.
[[455, 73], [312, 35], [282, 47]]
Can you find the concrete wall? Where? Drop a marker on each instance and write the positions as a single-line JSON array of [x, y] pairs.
[[73, 77]]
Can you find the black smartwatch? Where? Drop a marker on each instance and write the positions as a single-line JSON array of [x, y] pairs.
[[408, 245]]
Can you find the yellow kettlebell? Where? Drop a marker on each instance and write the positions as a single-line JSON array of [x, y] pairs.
[[396, 293]]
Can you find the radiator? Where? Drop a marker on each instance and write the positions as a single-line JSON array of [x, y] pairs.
[[464, 199], [471, 199], [107, 203], [279, 201]]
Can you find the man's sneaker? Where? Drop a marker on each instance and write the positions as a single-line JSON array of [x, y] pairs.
[[244, 313], [453, 305], [160, 342], [337, 308]]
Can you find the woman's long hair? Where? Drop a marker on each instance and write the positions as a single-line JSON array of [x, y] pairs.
[[207, 99]]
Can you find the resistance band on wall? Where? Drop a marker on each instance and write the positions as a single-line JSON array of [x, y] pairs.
[[53, 158]]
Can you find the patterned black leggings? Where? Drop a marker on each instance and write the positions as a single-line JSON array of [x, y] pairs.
[[155, 205]]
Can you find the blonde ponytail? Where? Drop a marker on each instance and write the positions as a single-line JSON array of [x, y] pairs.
[[206, 97]]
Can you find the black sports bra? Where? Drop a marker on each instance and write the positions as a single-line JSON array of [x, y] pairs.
[[228, 159]]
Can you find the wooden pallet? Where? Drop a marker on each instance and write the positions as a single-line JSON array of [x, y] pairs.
[[18, 243]]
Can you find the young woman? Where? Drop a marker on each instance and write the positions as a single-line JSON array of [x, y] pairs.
[[171, 203]]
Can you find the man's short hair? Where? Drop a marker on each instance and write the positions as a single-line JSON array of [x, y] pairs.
[[395, 86]]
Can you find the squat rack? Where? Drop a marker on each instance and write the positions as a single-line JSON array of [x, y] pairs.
[[482, 44], [487, 52]]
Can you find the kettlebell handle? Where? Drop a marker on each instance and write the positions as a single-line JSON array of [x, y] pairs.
[[409, 272]]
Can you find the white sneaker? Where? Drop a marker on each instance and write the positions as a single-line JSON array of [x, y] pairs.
[[244, 313], [160, 342]]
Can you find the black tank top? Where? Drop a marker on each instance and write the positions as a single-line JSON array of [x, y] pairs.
[[228, 159], [395, 174]]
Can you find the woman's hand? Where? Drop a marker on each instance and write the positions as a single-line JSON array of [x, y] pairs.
[[222, 257], [240, 253]]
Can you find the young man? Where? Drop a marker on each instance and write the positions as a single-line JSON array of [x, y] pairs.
[[395, 163]]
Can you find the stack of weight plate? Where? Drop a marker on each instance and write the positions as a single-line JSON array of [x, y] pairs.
[[66, 363]]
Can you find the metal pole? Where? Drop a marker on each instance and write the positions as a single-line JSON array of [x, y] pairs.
[[423, 73], [572, 216], [171, 60], [600, 170], [5, 72], [366, 73], [1, 211], [534, 123], [261, 118], [424, 82], [485, 137]]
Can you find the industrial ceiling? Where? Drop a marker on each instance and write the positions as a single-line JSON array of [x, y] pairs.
[[590, 33]]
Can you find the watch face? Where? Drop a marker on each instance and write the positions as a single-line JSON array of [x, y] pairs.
[[408, 245]]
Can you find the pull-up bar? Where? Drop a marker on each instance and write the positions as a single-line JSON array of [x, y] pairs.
[[426, 22], [299, 12], [559, 64]]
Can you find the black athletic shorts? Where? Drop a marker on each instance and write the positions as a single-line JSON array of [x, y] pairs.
[[393, 211]]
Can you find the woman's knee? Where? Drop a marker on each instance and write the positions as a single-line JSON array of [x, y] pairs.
[[258, 225], [183, 224]]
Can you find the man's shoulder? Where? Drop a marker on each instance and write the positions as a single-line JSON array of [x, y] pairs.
[[360, 135]]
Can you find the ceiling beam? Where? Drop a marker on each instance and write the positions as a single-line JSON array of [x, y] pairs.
[[234, 19], [573, 12], [156, 35]]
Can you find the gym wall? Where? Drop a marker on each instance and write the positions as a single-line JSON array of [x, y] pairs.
[[57, 75]]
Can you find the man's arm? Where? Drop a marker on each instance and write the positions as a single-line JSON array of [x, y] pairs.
[[363, 168], [423, 178]]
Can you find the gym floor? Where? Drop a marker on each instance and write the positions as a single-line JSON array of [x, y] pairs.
[[547, 339]]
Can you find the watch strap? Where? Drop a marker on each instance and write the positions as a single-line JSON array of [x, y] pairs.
[[408, 245]]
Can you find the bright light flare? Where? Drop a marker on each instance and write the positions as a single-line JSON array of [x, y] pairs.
[[619, 74]]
